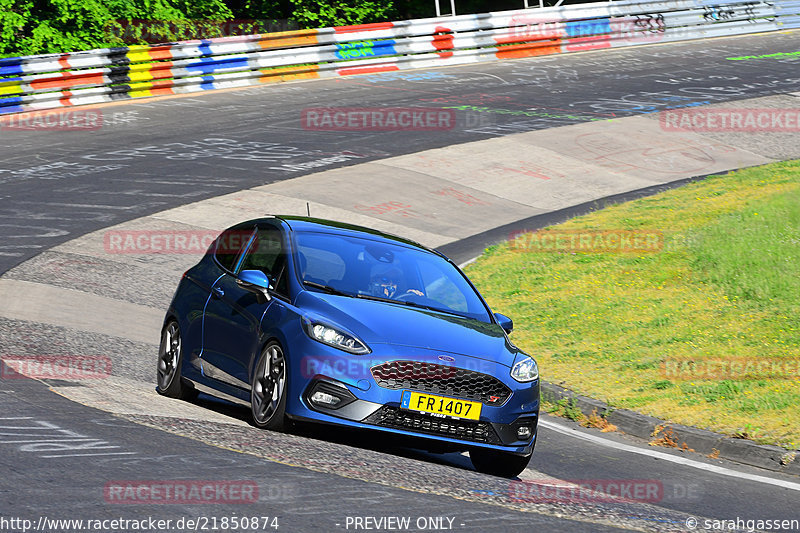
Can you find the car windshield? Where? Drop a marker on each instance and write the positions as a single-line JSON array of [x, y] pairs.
[[366, 268]]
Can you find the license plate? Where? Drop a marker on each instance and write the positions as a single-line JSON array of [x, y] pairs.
[[440, 405]]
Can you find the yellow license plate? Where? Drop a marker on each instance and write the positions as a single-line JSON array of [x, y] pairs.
[[440, 405]]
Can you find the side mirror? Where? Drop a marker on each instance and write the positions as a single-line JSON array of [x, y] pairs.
[[506, 323], [255, 281]]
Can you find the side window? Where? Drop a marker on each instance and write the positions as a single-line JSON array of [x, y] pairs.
[[267, 255], [229, 244]]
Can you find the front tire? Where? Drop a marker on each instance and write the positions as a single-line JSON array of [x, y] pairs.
[[268, 389], [496, 463], [170, 361]]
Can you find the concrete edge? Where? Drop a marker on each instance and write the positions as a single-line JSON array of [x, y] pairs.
[[679, 437], [467, 250]]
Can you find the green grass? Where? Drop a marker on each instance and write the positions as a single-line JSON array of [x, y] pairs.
[[725, 287], [749, 253]]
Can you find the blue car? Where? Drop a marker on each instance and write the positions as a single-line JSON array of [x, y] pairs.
[[313, 320]]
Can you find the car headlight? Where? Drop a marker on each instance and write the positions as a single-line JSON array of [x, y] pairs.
[[525, 369], [335, 337]]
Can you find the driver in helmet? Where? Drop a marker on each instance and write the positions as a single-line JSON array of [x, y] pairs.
[[385, 282]]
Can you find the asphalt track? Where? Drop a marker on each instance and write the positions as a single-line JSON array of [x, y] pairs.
[[56, 186]]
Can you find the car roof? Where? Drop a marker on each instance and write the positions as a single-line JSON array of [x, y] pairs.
[[321, 225]]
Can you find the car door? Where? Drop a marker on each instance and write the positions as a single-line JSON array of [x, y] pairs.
[[232, 319], [222, 257]]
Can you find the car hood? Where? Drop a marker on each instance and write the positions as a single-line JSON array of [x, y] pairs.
[[377, 322]]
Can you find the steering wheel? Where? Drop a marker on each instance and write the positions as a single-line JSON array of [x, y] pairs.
[[408, 294]]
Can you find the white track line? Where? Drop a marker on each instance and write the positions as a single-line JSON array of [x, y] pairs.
[[666, 457]]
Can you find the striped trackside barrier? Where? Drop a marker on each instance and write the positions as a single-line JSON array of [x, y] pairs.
[[95, 76]]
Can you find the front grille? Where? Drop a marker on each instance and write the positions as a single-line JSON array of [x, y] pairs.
[[394, 417], [441, 379]]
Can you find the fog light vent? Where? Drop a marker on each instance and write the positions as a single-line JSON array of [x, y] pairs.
[[328, 395], [325, 399]]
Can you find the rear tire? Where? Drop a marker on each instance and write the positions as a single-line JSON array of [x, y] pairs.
[[496, 463], [170, 361], [268, 389]]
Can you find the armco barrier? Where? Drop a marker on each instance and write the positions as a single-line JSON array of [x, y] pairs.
[[49, 81]]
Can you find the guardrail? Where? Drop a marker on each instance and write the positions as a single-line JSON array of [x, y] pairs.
[[95, 76]]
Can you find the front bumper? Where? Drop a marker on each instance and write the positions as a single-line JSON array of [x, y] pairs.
[[369, 405]]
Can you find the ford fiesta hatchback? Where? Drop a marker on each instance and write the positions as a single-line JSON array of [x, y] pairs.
[[314, 320]]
